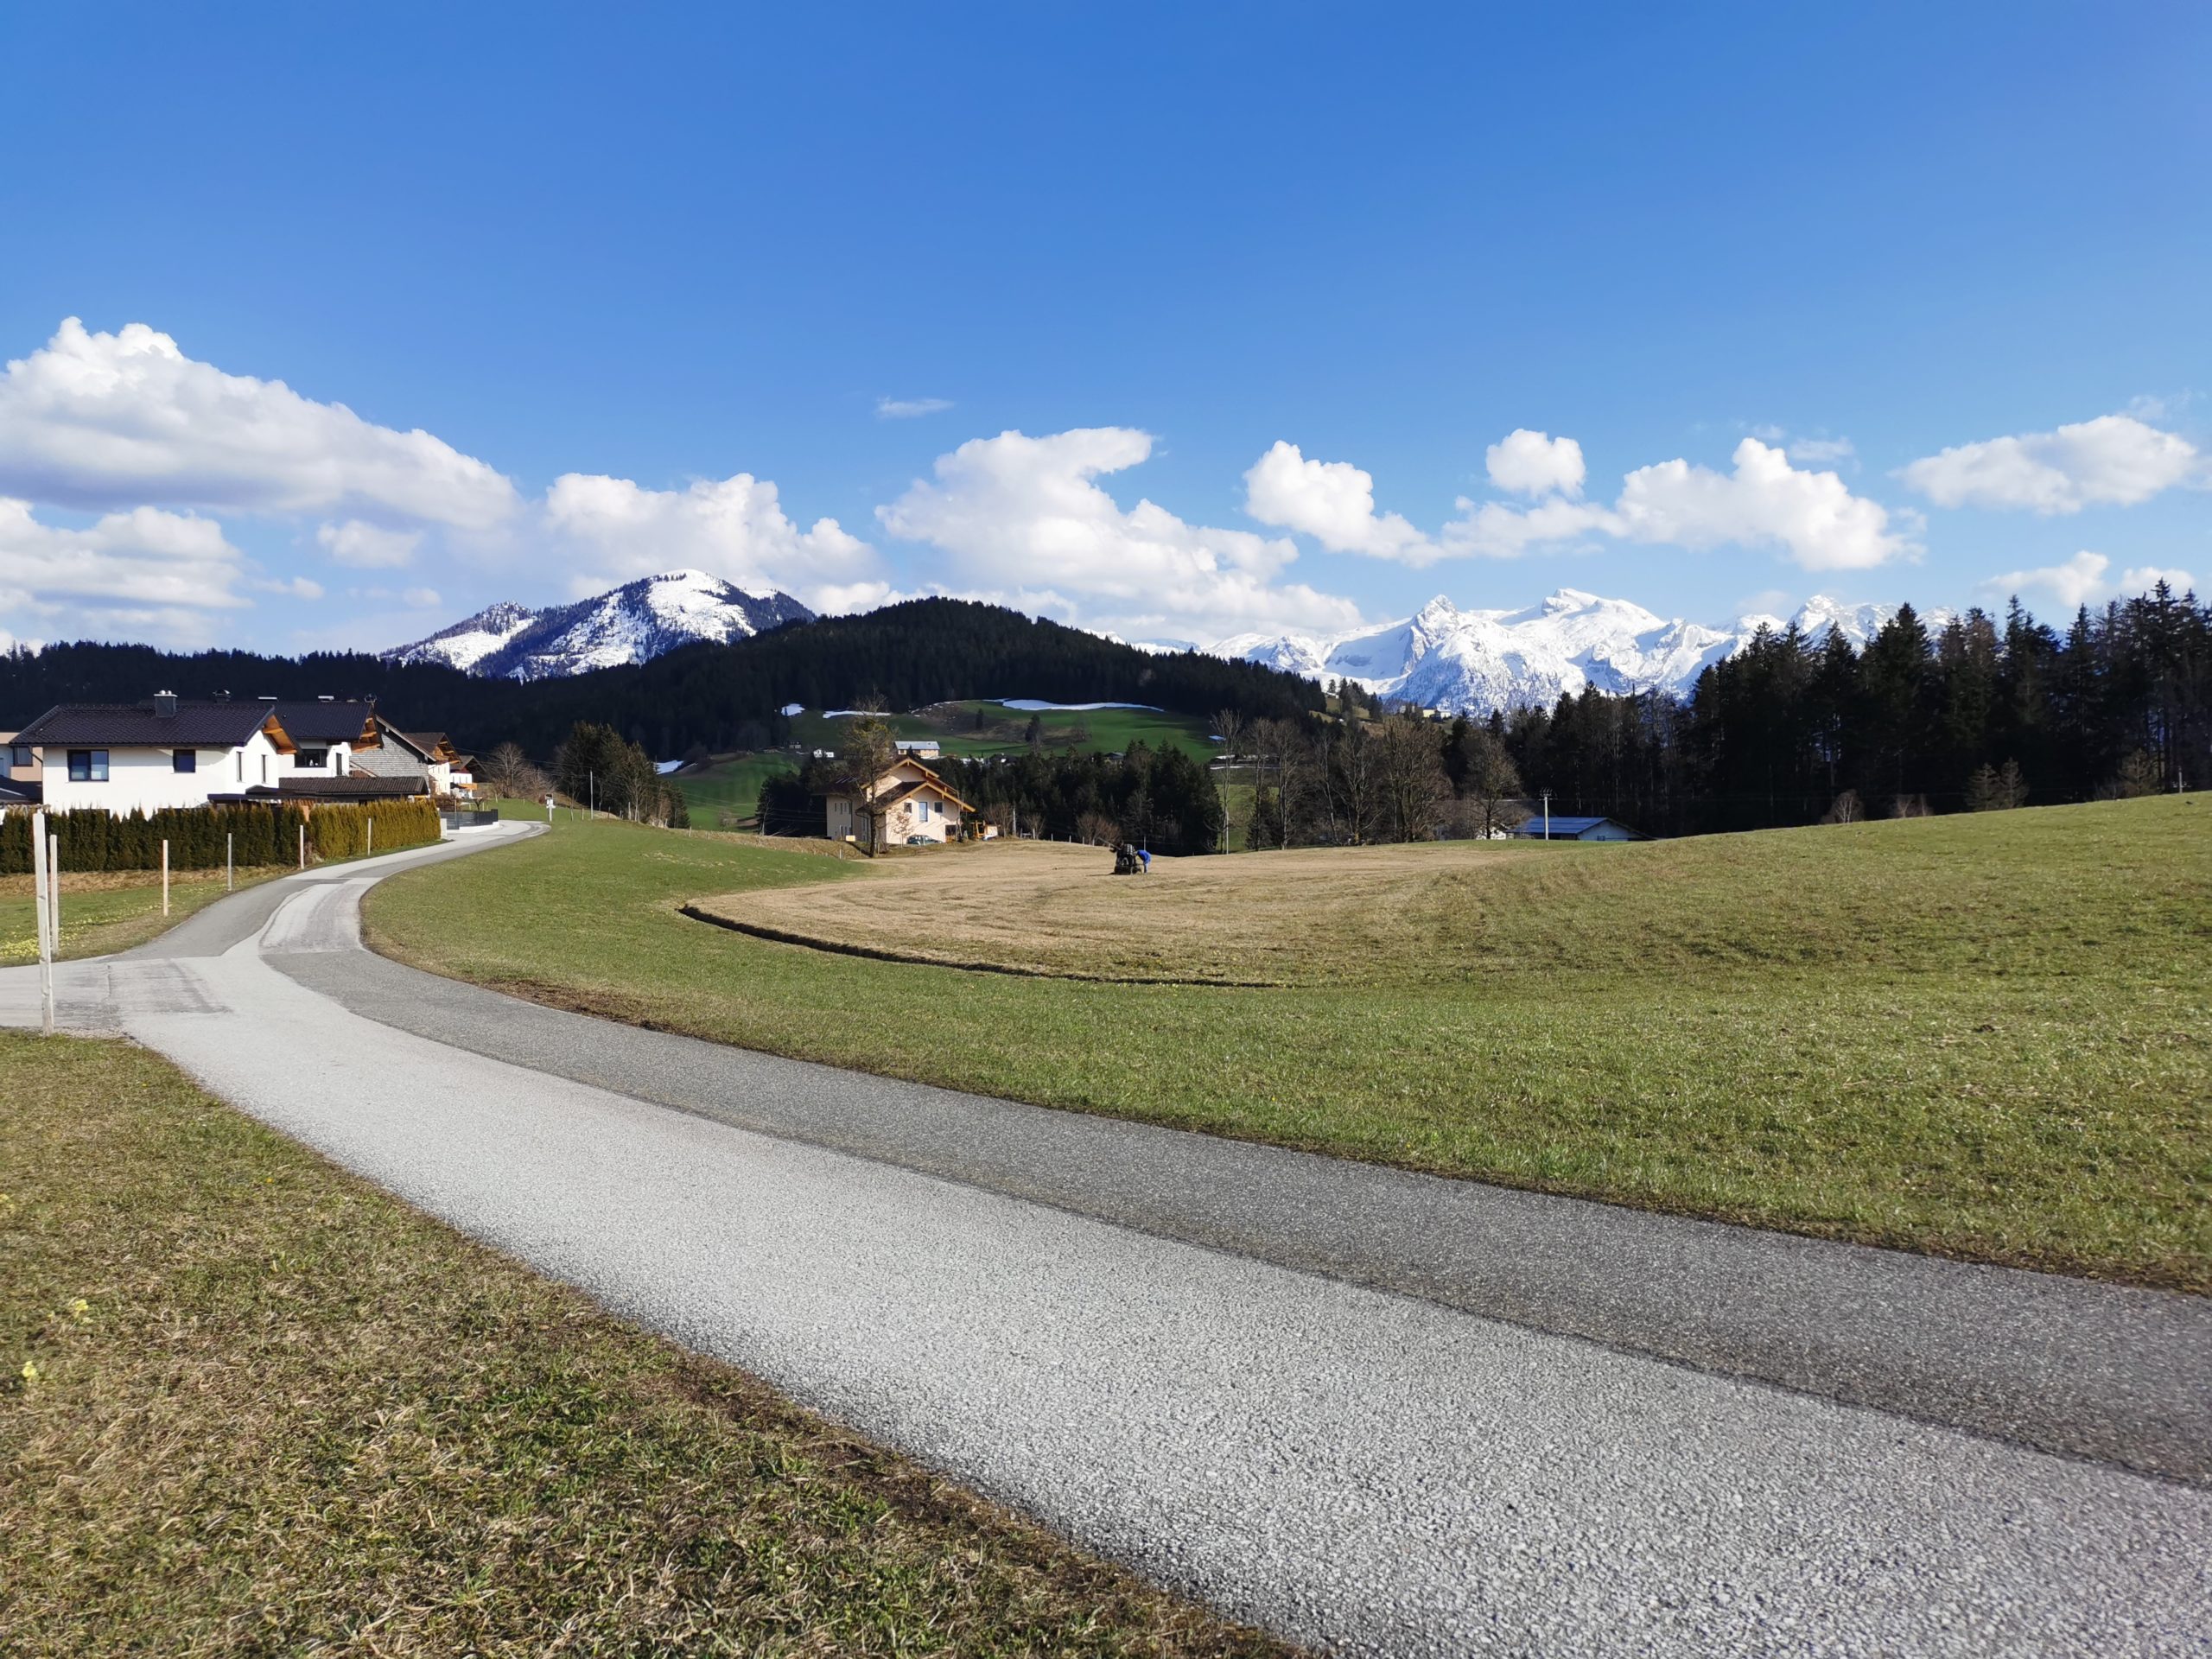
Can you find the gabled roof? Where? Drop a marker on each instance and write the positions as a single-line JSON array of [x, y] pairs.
[[134, 725], [891, 798], [404, 741], [326, 721]]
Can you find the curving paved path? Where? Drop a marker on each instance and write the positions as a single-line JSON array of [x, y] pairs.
[[1371, 1410]]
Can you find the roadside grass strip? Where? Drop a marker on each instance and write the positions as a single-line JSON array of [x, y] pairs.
[[1986, 1037], [111, 911], [251, 1404]]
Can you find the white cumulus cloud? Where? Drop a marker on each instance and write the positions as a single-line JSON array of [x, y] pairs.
[[368, 547], [2082, 581], [95, 421], [1332, 501], [2114, 460], [146, 573], [1024, 515], [1765, 501], [1812, 517], [735, 527], [1534, 463], [145, 555]]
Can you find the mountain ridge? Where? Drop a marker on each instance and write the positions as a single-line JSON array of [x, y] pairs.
[[633, 623], [1476, 661]]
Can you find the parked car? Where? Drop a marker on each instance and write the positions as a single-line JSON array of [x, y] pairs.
[[921, 841]]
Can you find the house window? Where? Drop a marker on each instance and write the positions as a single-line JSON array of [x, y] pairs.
[[20, 755], [925, 812], [317, 758], [184, 761], [88, 765]]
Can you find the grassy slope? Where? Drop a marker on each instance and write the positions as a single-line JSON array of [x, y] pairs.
[[1873, 1033], [123, 910], [291, 1414]]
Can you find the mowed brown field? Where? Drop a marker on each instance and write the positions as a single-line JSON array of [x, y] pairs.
[[1280, 919]]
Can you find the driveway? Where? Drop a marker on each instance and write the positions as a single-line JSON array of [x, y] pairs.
[[1370, 1410]]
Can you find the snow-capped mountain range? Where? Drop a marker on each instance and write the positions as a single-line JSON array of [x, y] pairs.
[[629, 624], [1442, 656], [1472, 662]]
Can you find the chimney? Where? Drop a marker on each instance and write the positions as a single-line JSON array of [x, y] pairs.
[[165, 704]]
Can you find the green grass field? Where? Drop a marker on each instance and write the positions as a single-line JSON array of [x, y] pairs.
[[731, 786], [1987, 1037], [252, 1405]]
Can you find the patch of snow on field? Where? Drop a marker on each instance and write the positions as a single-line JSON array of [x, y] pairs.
[[1032, 706], [790, 710]]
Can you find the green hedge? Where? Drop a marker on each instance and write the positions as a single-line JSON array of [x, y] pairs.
[[93, 839]]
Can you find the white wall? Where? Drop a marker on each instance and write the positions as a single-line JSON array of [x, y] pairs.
[[145, 778]]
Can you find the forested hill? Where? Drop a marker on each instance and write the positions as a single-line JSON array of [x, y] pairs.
[[723, 696]]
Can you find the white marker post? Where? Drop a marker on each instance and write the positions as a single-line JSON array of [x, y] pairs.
[[303, 846], [372, 837], [42, 920], [54, 891], [165, 875], [230, 862]]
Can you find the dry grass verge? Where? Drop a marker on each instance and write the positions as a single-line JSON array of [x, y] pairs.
[[252, 1405]]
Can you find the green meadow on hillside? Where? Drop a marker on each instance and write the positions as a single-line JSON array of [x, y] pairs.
[[1982, 1036]]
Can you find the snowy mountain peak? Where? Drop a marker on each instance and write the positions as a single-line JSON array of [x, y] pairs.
[[1474, 661], [633, 623]]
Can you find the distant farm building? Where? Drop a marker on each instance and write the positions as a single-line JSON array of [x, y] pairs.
[[1557, 827], [907, 803]]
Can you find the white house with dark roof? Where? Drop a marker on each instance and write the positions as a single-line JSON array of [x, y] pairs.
[[167, 752], [162, 752]]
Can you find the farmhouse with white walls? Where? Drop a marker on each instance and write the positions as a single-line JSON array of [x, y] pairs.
[[167, 752]]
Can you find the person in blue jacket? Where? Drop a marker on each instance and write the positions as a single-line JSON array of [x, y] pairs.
[[1144, 857]]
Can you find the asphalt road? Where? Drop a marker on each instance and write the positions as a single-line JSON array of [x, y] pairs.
[[1369, 1410]]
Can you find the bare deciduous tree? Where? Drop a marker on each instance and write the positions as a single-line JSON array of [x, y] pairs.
[[1410, 781], [866, 750]]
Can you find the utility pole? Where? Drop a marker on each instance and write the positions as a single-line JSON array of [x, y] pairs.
[[1547, 815]]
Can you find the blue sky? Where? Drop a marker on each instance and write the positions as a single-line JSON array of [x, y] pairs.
[[643, 282]]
